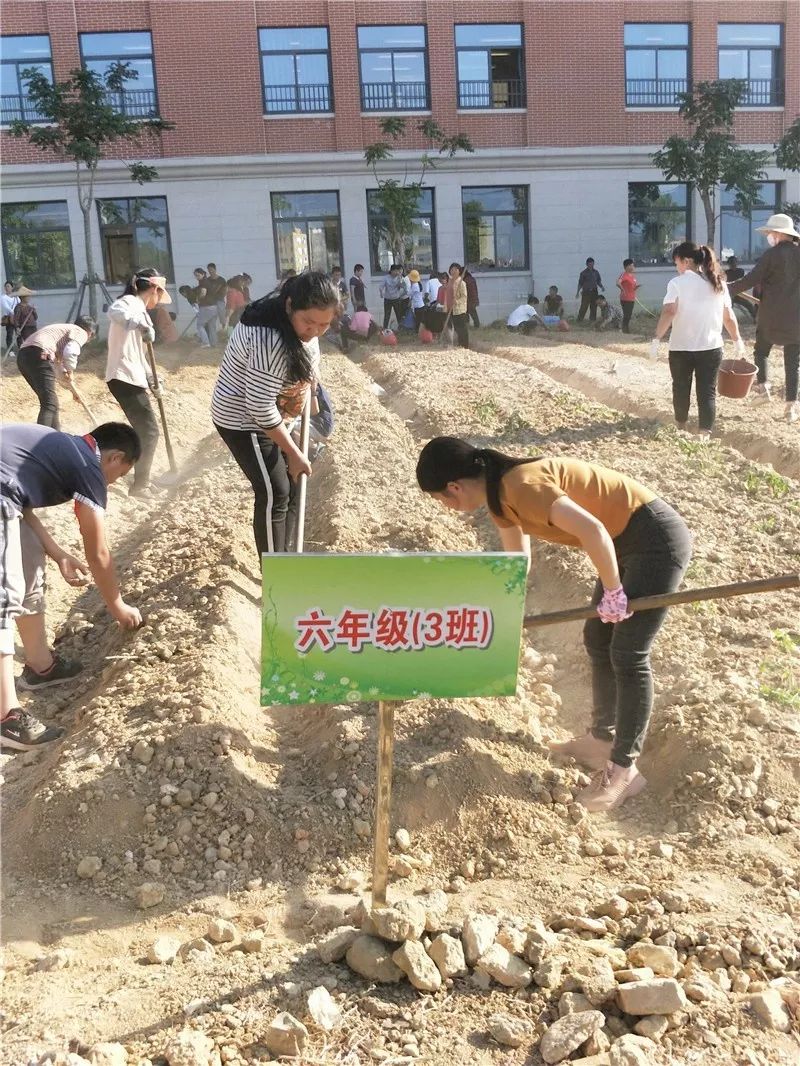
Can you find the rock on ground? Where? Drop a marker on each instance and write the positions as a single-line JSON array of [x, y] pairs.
[[568, 1033], [505, 968], [403, 921], [325, 1012], [286, 1035], [371, 958], [769, 1008], [413, 960], [478, 935], [108, 1055], [508, 1031], [631, 1050], [191, 1048], [163, 949], [336, 944], [661, 995], [150, 894], [221, 932], [448, 954], [662, 960]]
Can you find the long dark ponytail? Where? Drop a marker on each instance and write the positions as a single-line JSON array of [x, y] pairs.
[[446, 459], [309, 289], [704, 257]]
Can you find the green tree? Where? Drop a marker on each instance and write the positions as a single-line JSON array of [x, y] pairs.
[[81, 120], [709, 156], [398, 199], [787, 157]]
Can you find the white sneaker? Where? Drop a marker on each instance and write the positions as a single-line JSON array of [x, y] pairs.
[[792, 412], [762, 393]]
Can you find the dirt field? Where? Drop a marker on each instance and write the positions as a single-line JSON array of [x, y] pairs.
[[170, 775]]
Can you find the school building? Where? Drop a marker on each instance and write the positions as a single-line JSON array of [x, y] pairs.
[[274, 102]]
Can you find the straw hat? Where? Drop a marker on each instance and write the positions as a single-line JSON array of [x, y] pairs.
[[23, 291], [779, 224], [413, 275]]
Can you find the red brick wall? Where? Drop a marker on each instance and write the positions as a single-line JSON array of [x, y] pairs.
[[209, 84]]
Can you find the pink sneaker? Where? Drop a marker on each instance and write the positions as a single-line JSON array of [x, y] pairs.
[[610, 787], [586, 750]]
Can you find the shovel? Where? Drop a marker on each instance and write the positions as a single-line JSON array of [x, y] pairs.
[[173, 466], [670, 599]]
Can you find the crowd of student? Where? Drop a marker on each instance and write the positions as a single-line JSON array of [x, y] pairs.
[[271, 365]]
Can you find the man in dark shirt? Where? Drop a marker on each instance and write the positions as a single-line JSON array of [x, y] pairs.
[[589, 286], [40, 467], [357, 290]]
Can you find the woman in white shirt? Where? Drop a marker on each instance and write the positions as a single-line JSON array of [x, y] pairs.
[[695, 307], [128, 373]]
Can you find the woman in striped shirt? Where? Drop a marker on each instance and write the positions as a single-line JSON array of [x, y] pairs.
[[268, 366]]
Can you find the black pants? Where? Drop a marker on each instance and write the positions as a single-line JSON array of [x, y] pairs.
[[264, 465], [627, 313], [461, 326], [135, 402], [588, 300], [704, 367], [473, 314], [791, 364], [399, 308], [9, 335], [40, 374], [653, 552]]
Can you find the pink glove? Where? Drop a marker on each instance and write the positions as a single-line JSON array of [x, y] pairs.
[[614, 606]]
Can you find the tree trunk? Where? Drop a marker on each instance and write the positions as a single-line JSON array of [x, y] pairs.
[[711, 222], [87, 238]]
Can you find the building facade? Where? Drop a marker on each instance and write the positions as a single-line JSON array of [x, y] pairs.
[[273, 104]]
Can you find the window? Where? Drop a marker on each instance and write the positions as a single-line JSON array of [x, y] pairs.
[[296, 70], [100, 51], [491, 65], [658, 219], [656, 63], [737, 231], [495, 227], [37, 247], [754, 52], [419, 246], [308, 231], [393, 64], [18, 54], [134, 233]]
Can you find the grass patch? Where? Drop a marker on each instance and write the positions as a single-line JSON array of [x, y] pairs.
[[779, 675], [486, 412], [758, 481]]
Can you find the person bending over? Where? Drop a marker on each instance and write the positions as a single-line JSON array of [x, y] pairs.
[[48, 352], [40, 467], [637, 543]]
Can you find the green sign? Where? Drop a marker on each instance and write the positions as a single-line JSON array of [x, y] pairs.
[[353, 628]]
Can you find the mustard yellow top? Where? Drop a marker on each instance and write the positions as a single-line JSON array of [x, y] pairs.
[[528, 491]]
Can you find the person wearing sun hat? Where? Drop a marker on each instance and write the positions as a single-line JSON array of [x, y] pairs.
[[778, 274], [128, 373], [25, 317], [416, 297]]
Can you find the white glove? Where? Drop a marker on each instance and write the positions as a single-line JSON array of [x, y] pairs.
[[149, 333], [156, 391], [654, 346], [741, 347]]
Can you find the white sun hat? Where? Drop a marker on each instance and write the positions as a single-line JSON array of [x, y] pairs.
[[779, 224]]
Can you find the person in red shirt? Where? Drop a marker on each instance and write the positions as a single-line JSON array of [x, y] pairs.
[[235, 303], [627, 285]]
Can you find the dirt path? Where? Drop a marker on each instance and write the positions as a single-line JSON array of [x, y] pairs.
[[171, 774]]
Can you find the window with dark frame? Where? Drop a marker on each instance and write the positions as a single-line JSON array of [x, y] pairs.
[[419, 252], [656, 63], [658, 219], [296, 70], [738, 231], [100, 51], [490, 62], [308, 231], [134, 233], [495, 227], [393, 65], [37, 246], [753, 51], [18, 54]]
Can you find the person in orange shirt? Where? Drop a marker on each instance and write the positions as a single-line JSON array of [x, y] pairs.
[[627, 285], [639, 546]]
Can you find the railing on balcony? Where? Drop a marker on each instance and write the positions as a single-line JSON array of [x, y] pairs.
[[18, 107], [505, 92], [395, 96], [297, 99], [763, 92], [654, 92], [135, 103]]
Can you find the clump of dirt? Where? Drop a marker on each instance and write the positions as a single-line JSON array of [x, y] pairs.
[[193, 803]]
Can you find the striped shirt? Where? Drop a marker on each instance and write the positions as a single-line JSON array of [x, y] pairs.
[[254, 379], [61, 342]]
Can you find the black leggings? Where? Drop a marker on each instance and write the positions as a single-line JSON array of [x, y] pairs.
[[703, 366], [135, 402], [264, 465], [399, 308], [653, 552], [40, 374], [461, 326], [627, 312], [791, 364]]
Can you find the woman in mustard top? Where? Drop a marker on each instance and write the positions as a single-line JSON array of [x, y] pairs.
[[639, 546]]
